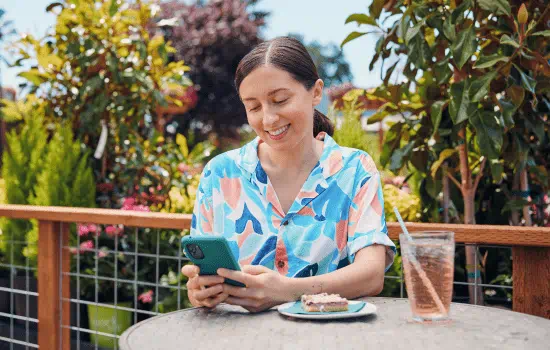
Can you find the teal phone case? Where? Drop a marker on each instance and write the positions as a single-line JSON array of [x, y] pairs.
[[217, 254]]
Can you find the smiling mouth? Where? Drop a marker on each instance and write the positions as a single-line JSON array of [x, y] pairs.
[[279, 131]]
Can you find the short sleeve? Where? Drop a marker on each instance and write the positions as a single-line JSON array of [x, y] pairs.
[[367, 222], [203, 213]]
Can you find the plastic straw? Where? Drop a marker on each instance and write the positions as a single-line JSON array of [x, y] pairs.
[[417, 266]]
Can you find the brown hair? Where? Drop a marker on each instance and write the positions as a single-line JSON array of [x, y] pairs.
[[291, 56]]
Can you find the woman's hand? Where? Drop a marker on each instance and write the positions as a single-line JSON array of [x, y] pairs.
[[264, 289], [205, 291]]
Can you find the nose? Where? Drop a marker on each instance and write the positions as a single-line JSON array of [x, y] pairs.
[[270, 119]]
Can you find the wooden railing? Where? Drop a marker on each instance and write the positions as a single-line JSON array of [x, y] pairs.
[[530, 249]]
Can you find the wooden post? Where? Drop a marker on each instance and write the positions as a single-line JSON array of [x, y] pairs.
[[53, 260], [531, 274]]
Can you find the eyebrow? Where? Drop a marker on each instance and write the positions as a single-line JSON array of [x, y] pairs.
[[272, 92]]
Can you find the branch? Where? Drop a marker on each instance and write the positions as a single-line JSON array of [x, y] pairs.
[[480, 174], [453, 179]]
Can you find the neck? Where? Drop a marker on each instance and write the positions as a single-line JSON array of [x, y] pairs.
[[298, 159]]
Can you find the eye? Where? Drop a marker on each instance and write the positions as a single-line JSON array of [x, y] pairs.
[[254, 109], [281, 102]]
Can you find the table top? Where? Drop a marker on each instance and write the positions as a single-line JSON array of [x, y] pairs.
[[231, 327]]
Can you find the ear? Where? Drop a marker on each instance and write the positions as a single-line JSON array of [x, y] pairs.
[[317, 90]]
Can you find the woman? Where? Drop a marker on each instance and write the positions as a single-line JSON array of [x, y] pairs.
[[292, 203]]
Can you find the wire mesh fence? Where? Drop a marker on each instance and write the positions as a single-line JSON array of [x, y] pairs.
[[121, 275]]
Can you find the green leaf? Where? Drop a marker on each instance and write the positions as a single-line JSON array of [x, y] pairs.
[[412, 32], [444, 155], [527, 82], [113, 8], [498, 7], [516, 94], [376, 8], [489, 61], [496, 170], [479, 88], [458, 13], [182, 142], [489, 134], [506, 40], [419, 52], [542, 33], [449, 30], [435, 113], [391, 142], [419, 159], [508, 109], [361, 18], [514, 204], [34, 76], [389, 73], [399, 157], [352, 36], [442, 72], [464, 47], [460, 107]]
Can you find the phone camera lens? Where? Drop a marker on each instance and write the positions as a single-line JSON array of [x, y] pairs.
[[195, 251]]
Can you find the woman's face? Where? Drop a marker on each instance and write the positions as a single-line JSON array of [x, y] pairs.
[[279, 108]]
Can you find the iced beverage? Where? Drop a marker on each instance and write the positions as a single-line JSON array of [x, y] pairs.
[[428, 262]]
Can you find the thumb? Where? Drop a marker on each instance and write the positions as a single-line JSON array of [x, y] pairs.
[[190, 270], [255, 269]]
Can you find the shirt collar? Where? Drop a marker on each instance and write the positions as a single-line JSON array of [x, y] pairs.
[[331, 160]]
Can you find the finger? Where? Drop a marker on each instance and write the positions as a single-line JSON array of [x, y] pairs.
[[201, 295], [213, 302], [241, 292], [255, 269], [190, 270], [208, 281], [238, 276], [193, 283]]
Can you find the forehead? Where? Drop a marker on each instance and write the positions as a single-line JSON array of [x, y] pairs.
[[265, 79]]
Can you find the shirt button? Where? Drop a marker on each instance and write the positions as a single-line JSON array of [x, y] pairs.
[[281, 264]]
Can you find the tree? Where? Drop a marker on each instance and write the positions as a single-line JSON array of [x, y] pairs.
[[476, 89], [330, 61], [102, 70], [212, 37]]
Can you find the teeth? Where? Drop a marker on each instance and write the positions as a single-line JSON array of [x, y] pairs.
[[278, 131]]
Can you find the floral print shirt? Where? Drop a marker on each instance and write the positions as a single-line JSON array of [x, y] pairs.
[[338, 211]]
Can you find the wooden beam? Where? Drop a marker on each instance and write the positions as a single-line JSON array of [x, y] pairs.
[[97, 216], [531, 279], [483, 234], [52, 312]]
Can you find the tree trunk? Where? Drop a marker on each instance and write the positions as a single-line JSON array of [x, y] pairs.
[[524, 185], [468, 189], [515, 188], [474, 274], [446, 194]]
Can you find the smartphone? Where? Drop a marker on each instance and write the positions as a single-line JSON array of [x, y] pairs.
[[210, 253]]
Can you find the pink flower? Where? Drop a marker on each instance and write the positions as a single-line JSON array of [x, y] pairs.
[[86, 246], [82, 230], [92, 228], [113, 231], [128, 203], [102, 254], [146, 297], [73, 250]]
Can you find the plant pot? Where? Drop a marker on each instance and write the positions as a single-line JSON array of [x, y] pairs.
[[108, 320]]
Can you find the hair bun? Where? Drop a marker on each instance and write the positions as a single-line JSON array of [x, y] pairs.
[[322, 123]]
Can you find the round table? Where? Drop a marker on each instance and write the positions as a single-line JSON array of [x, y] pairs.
[[231, 327]]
